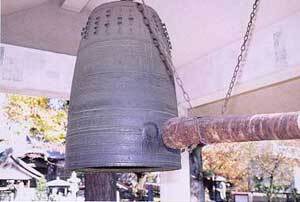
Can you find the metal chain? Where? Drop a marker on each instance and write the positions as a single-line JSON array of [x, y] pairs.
[[164, 55], [240, 56]]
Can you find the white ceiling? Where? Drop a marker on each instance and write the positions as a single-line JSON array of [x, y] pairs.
[[196, 27], [12, 6]]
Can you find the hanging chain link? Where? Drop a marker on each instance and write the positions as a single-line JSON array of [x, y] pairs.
[[164, 55], [166, 59], [171, 69], [240, 56]]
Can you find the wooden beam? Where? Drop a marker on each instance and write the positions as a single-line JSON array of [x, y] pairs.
[[180, 133], [75, 5]]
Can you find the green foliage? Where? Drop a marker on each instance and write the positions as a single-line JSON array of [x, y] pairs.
[[41, 194], [273, 174], [42, 117], [260, 185]]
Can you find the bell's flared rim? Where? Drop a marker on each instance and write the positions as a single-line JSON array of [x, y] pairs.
[[126, 167]]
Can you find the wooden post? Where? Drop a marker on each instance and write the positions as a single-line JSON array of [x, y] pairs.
[[196, 167], [100, 187], [180, 133]]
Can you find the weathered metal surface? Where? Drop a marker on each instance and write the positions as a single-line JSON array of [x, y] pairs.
[[121, 95], [179, 133]]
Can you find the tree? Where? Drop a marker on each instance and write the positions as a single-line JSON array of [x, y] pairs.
[[41, 194], [244, 164], [272, 174], [100, 186], [230, 161], [41, 117]]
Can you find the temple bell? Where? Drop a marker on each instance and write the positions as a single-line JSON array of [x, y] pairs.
[[121, 93]]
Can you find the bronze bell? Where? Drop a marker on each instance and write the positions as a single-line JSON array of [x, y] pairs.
[[121, 94]]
